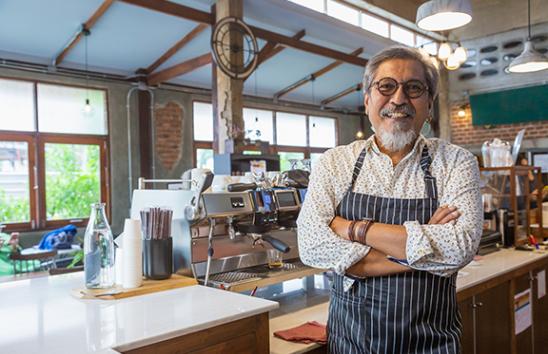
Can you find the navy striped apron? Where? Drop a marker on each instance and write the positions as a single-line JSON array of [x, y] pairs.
[[412, 312]]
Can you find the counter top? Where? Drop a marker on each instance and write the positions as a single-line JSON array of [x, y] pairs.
[[40, 316], [495, 264], [486, 268]]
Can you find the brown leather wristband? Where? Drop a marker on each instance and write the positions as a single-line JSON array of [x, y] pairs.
[[362, 231], [350, 230]]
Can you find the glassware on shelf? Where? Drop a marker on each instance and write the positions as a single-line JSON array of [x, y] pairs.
[[98, 250]]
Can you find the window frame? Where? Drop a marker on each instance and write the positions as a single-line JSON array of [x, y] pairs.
[[274, 148], [36, 141]]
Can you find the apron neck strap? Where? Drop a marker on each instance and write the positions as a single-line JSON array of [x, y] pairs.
[[429, 180]]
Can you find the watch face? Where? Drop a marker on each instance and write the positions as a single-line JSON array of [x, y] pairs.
[[234, 48]]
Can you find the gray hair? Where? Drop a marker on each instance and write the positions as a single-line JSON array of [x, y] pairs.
[[400, 52]]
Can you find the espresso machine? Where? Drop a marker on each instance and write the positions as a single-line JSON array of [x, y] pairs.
[[223, 238]]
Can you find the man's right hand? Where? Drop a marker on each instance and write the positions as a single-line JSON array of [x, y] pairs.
[[444, 215]]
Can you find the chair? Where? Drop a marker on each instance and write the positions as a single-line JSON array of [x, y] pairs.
[[32, 260]]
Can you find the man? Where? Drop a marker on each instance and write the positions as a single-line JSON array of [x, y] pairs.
[[395, 217]]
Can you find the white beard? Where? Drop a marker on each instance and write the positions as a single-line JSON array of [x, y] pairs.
[[396, 140]]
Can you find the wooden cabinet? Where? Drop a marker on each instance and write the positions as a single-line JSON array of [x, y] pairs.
[[468, 338], [246, 336], [540, 312], [486, 321], [523, 340]]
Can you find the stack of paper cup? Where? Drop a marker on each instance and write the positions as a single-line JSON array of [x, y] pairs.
[[132, 272]]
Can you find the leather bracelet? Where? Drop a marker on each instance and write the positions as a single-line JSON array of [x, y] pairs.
[[350, 230], [362, 231]]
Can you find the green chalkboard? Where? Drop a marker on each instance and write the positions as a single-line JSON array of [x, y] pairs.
[[528, 104]]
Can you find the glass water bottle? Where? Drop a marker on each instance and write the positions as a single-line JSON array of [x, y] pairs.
[[98, 250]]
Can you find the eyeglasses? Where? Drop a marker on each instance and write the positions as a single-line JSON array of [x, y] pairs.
[[388, 86]]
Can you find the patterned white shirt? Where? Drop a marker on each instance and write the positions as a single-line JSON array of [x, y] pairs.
[[438, 249]]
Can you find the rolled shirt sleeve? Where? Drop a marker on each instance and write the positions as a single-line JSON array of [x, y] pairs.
[[319, 246], [444, 249]]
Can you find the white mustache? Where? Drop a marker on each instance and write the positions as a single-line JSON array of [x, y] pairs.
[[398, 112]]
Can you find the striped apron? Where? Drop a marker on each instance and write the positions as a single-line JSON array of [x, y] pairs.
[[412, 312]]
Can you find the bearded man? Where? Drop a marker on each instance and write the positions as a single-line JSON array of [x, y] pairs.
[[395, 217]]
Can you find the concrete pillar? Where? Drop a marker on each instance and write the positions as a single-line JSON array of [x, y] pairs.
[[228, 92], [443, 106]]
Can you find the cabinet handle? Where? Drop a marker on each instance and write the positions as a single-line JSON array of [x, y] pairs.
[[477, 304]]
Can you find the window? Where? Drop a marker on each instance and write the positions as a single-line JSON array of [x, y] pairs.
[[314, 157], [73, 179], [57, 103], [204, 158], [290, 129], [343, 12], [317, 5], [322, 131], [374, 24], [297, 136], [14, 182], [402, 35], [17, 108], [286, 157], [429, 45], [203, 121], [50, 179], [258, 125]]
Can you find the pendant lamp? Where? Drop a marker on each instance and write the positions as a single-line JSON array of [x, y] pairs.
[[529, 60], [87, 109], [443, 15]]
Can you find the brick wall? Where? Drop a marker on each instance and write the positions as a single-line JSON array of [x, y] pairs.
[[169, 133], [464, 133]]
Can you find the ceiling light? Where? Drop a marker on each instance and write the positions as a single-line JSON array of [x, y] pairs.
[[452, 62], [460, 54], [529, 60], [442, 15], [444, 51]]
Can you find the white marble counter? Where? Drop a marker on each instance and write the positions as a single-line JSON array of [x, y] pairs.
[[486, 268], [40, 316], [495, 264]]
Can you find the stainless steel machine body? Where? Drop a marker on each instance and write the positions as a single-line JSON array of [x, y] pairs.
[[239, 232]]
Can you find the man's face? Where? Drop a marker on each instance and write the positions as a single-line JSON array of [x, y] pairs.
[[397, 117]]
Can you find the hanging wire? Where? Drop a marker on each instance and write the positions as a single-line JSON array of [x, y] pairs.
[[86, 34], [529, 18]]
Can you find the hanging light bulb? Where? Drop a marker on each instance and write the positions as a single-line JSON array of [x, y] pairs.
[[359, 135], [444, 51], [460, 54], [87, 107], [452, 62], [461, 113], [442, 15]]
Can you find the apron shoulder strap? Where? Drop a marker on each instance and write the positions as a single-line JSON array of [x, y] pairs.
[[429, 180], [358, 167]]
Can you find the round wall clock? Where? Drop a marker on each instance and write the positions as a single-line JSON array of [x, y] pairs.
[[234, 47]]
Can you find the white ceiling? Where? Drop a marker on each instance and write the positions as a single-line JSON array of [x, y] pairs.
[[128, 37]]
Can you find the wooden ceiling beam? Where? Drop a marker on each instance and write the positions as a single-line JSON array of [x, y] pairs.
[[312, 76], [272, 48], [189, 13], [307, 47], [174, 9], [176, 47], [86, 26], [179, 69], [341, 94]]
